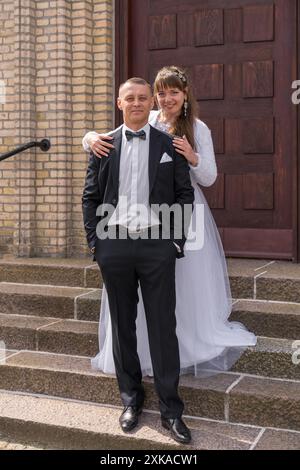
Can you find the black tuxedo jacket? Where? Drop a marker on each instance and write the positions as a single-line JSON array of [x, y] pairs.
[[169, 182]]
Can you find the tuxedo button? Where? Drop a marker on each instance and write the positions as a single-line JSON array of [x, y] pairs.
[[114, 201]]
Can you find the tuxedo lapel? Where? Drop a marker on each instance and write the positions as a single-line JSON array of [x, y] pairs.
[[115, 155], [154, 155]]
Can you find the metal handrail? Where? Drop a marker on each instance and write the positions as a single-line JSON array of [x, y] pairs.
[[44, 145]]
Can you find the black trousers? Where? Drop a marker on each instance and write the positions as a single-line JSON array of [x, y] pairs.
[[151, 262]]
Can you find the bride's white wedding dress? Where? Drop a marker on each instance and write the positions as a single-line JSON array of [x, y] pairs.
[[208, 342]]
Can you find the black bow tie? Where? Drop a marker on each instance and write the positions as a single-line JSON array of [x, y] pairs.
[[140, 134]]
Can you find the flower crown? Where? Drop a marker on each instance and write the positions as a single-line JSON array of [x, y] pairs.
[[180, 75]]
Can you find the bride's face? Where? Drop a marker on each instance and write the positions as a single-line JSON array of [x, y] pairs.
[[170, 101]]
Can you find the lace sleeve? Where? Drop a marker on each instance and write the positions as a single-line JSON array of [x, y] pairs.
[[85, 139], [205, 172]]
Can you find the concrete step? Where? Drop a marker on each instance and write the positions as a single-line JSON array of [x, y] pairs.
[[50, 301], [232, 397], [70, 272], [263, 279], [271, 357], [54, 423], [250, 279], [280, 282], [71, 425], [65, 424], [49, 334], [267, 318]]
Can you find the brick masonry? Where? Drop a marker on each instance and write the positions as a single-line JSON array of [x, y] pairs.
[[57, 66]]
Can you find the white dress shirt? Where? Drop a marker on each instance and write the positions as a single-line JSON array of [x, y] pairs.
[[133, 209]]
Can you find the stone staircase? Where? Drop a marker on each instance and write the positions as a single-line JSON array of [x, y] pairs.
[[49, 311]]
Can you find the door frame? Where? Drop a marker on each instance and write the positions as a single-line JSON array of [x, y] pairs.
[[297, 143], [122, 69], [122, 19]]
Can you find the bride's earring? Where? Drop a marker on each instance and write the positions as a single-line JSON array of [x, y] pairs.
[[185, 107]]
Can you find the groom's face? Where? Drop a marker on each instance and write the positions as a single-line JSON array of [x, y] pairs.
[[136, 102]]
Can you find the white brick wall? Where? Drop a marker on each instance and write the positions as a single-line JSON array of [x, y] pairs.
[[56, 61]]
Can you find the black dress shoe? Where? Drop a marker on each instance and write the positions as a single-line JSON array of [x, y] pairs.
[[179, 431], [129, 418]]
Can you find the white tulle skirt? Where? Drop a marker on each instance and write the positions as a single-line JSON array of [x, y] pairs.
[[208, 342]]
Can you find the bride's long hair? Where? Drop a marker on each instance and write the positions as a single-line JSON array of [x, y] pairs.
[[176, 77]]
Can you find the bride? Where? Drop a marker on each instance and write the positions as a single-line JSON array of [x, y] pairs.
[[208, 342]]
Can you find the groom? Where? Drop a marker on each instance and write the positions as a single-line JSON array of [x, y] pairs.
[[143, 168]]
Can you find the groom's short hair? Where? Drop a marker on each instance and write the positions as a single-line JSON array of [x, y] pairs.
[[136, 81]]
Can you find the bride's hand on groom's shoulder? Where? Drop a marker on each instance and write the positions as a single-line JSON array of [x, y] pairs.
[[183, 147], [101, 145]]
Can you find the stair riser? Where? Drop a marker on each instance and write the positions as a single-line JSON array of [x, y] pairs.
[[269, 325], [73, 277], [57, 342], [250, 409], [46, 306], [284, 290], [241, 287], [68, 343], [268, 364], [88, 308], [58, 307], [51, 275]]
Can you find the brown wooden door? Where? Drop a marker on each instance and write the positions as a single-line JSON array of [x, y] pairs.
[[241, 56]]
